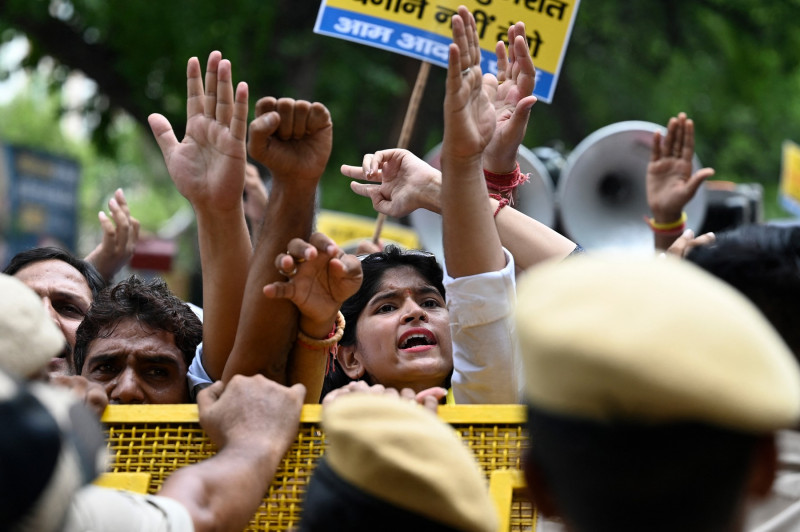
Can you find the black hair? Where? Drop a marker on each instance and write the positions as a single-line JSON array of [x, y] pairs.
[[763, 263], [149, 302], [31, 256], [627, 477], [374, 267], [332, 504]]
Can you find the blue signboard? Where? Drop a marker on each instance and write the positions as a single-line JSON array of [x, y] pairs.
[[39, 199]]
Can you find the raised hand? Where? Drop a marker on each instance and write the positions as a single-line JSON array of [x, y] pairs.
[[511, 94], [468, 111], [320, 278], [670, 182], [687, 241], [119, 237], [208, 165], [208, 168], [293, 138], [469, 236], [407, 183]]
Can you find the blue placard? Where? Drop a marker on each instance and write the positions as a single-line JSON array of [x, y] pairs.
[[42, 199]]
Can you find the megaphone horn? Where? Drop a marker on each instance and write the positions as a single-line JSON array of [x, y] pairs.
[[601, 194]]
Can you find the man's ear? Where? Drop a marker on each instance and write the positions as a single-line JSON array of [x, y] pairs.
[[350, 361], [764, 467], [537, 490]]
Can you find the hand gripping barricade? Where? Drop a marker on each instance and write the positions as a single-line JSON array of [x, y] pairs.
[[148, 442]]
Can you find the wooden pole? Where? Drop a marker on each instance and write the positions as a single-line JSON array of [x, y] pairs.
[[408, 127]]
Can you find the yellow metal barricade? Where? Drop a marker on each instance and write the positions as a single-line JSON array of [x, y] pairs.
[[157, 439]]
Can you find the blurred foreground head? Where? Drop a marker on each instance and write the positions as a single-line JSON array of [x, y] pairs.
[[50, 446], [29, 338], [393, 465], [66, 285], [654, 391]]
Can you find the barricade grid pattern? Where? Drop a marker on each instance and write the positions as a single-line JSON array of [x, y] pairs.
[[522, 514], [160, 448]]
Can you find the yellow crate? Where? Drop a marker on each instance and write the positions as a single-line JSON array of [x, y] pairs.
[[157, 439]]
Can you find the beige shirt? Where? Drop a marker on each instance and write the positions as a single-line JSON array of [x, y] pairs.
[[96, 509]]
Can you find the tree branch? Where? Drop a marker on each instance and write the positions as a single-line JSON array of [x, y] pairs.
[[66, 44]]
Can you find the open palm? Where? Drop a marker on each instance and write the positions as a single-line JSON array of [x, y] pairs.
[[670, 182], [208, 165], [465, 101], [512, 98]]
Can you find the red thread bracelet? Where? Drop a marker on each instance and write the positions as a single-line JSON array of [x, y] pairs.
[[503, 185], [502, 202], [331, 340]]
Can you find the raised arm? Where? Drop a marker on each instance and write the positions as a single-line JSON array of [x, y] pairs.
[[120, 234], [402, 183], [511, 94], [208, 169], [293, 138], [256, 198], [670, 182], [470, 239], [405, 182], [320, 278], [253, 422]]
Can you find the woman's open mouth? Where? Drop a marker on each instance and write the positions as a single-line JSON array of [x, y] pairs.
[[417, 339]]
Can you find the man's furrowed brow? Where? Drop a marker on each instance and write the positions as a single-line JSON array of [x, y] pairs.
[[101, 358], [70, 297], [164, 360]]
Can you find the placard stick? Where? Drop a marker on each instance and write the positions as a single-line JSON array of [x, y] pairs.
[[408, 127]]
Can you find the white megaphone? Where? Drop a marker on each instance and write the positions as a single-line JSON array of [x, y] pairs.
[[536, 198], [601, 193]]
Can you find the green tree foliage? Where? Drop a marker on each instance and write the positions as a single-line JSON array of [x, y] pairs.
[[732, 65]]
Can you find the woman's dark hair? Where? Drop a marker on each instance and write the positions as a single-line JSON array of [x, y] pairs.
[[34, 255], [150, 303], [374, 267]]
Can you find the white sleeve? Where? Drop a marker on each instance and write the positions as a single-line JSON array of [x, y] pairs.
[[486, 366], [95, 508], [197, 376]]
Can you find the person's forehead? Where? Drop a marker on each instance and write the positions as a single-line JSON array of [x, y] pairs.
[[404, 278], [129, 337], [54, 276]]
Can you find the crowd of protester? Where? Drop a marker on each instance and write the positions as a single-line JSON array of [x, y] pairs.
[[663, 393]]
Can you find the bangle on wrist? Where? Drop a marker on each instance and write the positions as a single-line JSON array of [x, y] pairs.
[[668, 228], [324, 344], [678, 231]]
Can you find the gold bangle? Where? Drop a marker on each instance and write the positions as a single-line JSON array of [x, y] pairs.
[[315, 343], [667, 226]]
